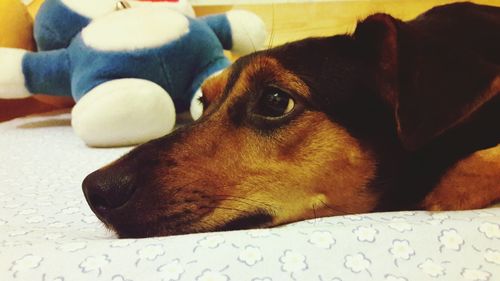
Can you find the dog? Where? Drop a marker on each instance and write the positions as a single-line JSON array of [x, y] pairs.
[[395, 116]]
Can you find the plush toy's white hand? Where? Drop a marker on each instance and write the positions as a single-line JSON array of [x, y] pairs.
[[182, 6], [123, 112], [12, 81], [95, 8], [248, 31], [91, 8]]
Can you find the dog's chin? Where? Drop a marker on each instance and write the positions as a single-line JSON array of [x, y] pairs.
[[143, 230], [148, 230]]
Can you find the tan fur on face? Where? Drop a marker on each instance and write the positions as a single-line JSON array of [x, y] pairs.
[[308, 168]]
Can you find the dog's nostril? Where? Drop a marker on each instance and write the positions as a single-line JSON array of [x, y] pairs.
[[98, 202], [107, 190]]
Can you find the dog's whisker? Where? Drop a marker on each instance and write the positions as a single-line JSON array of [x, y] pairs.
[[240, 197], [225, 208], [179, 188], [236, 200], [176, 190], [271, 36], [205, 227], [240, 201], [251, 40], [314, 210], [244, 199], [334, 209]]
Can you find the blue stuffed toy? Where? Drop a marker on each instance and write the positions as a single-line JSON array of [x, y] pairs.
[[129, 66]]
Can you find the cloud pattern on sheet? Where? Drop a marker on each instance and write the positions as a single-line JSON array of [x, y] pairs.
[[47, 232]]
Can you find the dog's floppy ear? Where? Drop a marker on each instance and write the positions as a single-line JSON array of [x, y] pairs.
[[431, 84], [377, 38]]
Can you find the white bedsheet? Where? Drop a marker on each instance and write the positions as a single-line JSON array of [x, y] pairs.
[[47, 231]]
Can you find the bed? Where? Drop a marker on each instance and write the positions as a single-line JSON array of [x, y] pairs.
[[48, 232]]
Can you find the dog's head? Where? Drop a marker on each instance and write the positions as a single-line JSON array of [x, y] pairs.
[[287, 134]]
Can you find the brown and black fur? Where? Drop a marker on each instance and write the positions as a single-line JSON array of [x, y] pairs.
[[398, 115]]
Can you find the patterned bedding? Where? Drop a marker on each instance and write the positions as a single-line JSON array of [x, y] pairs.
[[47, 231]]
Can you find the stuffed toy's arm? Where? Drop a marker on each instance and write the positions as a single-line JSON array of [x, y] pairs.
[[12, 83], [239, 31], [23, 73]]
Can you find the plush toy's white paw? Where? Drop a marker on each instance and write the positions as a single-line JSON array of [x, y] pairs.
[[182, 6], [248, 31], [135, 28], [91, 8], [95, 8], [196, 108], [12, 82], [123, 112]]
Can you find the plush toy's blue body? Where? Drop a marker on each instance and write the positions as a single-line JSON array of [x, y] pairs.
[[130, 69], [178, 66]]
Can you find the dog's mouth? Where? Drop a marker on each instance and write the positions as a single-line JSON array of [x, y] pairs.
[[255, 220], [258, 219]]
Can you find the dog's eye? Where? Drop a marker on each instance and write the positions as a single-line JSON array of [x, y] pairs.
[[274, 103]]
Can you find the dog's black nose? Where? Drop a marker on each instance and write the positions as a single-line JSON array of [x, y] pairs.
[[106, 190]]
